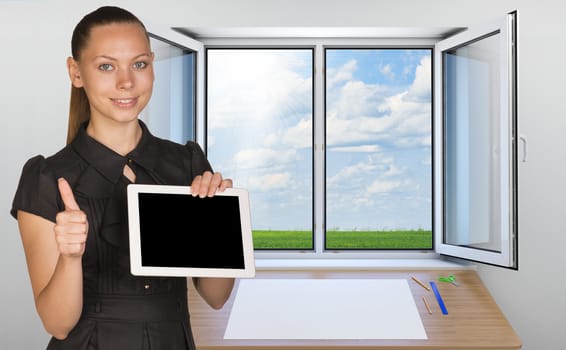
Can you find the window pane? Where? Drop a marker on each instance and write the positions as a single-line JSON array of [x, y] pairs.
[[171, 111], [472, 144], [259, 132], [378, 149]]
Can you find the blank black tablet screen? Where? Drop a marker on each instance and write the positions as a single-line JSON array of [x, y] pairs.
[[179, 230]]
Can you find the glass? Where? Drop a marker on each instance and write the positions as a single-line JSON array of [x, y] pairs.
[[170, 113], [472, 144], [378, 148], [260, 133]]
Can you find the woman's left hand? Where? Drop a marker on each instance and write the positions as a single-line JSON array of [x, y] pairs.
[[208, 183]]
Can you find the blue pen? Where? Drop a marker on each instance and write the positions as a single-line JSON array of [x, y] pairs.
[[439, 298]]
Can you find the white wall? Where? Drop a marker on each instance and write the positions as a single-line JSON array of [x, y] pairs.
[[533, 298], [34, 92]]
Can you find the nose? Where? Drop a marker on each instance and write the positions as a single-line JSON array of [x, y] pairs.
[[125, 80]]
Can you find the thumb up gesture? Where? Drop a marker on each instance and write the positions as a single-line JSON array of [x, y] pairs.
[[71, 225]]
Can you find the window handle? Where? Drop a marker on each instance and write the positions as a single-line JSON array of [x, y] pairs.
[[523, 139]]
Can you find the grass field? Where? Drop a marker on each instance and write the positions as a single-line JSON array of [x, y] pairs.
[[401, 239]]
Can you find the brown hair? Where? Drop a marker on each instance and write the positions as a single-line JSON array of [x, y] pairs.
[[79, 110]]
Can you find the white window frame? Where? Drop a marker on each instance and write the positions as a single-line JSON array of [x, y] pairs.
[[175, 37], [507, 257], [319, 43]]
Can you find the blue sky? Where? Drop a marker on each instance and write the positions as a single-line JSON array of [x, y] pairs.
[[378, 135]]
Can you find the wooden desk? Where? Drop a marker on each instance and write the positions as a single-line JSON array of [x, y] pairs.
[[474, 320]]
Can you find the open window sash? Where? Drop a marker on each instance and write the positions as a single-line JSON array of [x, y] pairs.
[[177, 105], [475, 180]]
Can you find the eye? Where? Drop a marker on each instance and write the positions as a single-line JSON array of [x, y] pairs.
[[140, 65], [106, 67]]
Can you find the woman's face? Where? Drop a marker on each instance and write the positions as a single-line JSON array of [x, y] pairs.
[[116, 71]]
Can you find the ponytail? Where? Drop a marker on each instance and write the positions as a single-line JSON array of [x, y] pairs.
[[79, 112]]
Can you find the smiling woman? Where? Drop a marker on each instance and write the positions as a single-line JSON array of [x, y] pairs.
[[71, 206]]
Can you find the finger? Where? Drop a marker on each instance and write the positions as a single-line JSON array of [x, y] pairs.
[[67, 195], [72, 250], [71, 229], [65, 239], [71, 237], [215, 183], [226, 183], [75, 216], [204, 184], [195, 185]]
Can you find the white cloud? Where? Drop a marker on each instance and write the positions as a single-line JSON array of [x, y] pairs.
[[263, 158], [340, 74], [356, 130], [358, 149], [384, 186], [371, 167], [360, 112], [210, 140], [296, 136], [420, 89], [387, 71], [253, 86], [412, 120], [269, 182], [393, 170], [360, 202], [356, 98], [356, 171]]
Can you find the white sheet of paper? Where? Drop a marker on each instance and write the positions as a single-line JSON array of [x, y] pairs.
[[324, 309]]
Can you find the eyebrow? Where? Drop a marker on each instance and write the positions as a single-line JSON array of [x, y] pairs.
[[110, 58]]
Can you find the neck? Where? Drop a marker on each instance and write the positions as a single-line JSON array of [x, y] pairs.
[[122, 138]]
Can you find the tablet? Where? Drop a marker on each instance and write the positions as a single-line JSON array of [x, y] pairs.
[[173, 233]]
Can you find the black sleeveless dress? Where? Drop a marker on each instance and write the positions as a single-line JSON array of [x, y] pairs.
[[120, 311]]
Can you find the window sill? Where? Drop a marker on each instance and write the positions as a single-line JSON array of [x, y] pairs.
[[366, 264]]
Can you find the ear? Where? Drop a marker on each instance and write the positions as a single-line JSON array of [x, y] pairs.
[[74, 72]]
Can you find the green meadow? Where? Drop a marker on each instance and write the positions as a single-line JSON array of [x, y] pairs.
[[390, 239]]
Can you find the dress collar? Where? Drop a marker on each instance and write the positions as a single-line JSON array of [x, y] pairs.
[[103, 159]]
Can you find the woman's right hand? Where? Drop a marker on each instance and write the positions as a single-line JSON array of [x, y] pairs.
[[71, 225]]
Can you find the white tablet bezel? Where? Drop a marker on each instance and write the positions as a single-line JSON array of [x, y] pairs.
[[135, 244]]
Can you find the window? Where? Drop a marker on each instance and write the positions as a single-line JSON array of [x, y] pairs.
[[476, 144], [378, 148], [259, 129], [172, 110], [376, 145], [340, 138]]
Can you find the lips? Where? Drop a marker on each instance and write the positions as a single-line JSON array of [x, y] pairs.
[[124, 102]]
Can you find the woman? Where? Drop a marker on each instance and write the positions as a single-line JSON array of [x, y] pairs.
[[71, 207]]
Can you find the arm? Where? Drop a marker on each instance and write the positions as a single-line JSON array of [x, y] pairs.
[[215, 291], [54, 258]]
